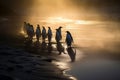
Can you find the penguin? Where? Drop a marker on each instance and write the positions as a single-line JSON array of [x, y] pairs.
[[38, 32], [31, 32], [49, 34], [57, 37], [43, 33], [28, 29], [60, 33], [69, 39]]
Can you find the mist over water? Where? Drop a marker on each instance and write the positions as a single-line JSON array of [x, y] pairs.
[[88, 25], [95, 35]]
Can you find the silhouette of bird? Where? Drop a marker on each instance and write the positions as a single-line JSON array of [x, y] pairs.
[[43, 33], [60, 33], [38, 32], [31, 32], [57, 37], [49, 34], [69, 39]]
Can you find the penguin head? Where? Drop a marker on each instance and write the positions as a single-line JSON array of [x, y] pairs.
[[67, 32], [43, 27], [29, 24], [38, 25], [49, 27], [57, 29], [24, 22], [60, 27]]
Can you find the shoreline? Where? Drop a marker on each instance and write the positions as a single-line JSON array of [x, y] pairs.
[[56, 73]]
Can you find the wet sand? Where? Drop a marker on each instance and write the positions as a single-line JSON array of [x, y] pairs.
[[18, 62]]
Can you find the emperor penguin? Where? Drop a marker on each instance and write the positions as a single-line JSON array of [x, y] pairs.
[[57, 36], [69, 39], [43, 33], [31, 32], [49, 34], [38, 32], [60, 33], [28, 29]]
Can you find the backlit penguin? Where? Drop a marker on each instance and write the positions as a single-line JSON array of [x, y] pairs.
[[69, 39], [38, 32], [43, 33], [57, 37], [59, 30], [28, 29], [49, 34], [31, 32]]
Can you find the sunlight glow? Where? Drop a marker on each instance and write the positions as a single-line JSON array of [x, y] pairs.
[[22, 32], [82, 22], [55, 20]]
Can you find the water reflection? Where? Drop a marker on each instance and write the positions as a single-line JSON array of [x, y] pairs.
[[43, 46], [49, 47], [71, 53], [28, 43], [37, 46], [60, 48]]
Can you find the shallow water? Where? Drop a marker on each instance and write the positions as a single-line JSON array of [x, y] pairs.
[[96, 59], [98, 68], [97, 40]]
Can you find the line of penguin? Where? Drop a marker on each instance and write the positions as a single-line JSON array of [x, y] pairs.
[[29, 30]]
